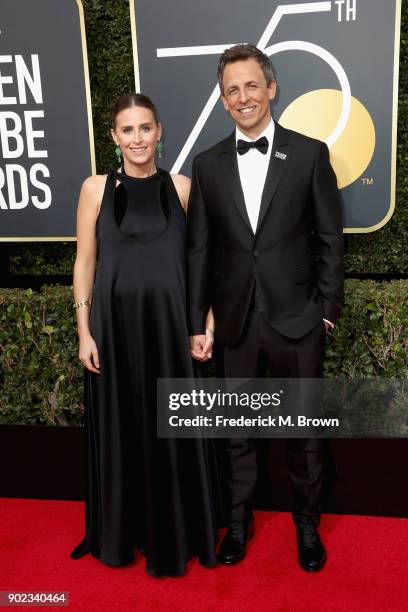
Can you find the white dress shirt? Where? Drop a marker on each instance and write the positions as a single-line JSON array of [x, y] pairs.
[[252, 167]]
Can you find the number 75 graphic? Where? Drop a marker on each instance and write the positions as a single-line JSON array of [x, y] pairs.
[[290, 45]]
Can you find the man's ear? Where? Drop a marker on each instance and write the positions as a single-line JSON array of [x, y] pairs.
[[225, 102], [272, 89]]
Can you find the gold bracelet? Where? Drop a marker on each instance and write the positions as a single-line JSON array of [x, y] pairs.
[[80, 304]]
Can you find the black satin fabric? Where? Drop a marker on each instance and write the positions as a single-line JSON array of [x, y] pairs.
[[155, 495]]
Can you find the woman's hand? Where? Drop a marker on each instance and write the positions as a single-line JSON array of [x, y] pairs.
[[88, 353], [201, 345], [209, 341], [209, 334]]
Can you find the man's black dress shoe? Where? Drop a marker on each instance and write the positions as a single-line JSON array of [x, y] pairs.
[[233, 546], [311, 553]]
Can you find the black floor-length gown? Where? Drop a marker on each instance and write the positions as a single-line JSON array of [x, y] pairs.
[[145, 493]]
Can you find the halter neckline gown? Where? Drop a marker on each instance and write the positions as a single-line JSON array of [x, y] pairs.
[[146, 493]]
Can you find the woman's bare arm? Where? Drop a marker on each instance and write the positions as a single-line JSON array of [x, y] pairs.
[[85, 262]]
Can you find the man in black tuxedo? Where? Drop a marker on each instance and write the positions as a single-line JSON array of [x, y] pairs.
[[265, 250]]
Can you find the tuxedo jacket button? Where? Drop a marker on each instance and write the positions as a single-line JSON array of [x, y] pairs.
[[255, 253]]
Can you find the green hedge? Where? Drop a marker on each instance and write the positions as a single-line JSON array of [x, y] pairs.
[[371, 339], [111, 71], [41, 377], [41, 381]]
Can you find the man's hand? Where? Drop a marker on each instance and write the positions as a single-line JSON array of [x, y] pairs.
[[329, 326], [201, 346]]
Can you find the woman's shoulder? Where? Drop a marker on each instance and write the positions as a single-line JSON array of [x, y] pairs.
[[181, 180], [92, 191], [93, 186], [94, 181], [182, 184]]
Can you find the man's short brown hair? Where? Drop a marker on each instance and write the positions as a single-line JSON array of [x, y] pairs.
[[244, 52]]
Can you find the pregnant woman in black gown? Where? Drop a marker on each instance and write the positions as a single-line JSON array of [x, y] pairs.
[[145, 493]]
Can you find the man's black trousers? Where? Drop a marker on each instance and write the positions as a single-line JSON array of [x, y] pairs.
[[262, 351]]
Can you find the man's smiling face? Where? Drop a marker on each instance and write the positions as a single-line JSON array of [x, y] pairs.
[[246, 96]]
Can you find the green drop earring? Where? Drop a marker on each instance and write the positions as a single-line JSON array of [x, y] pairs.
[[118, 153], [160, 149]]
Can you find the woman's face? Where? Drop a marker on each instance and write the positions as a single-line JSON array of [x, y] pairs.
[[137, 134]]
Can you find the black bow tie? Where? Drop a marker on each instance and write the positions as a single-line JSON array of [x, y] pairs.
[[261, 144]]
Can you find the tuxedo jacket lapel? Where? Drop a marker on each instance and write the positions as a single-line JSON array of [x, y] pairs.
[[230, 167], [277, 166]]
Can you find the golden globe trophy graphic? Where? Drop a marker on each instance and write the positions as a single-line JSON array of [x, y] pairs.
[[355, 115]]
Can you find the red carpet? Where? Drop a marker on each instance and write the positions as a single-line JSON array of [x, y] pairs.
[[367, 568]]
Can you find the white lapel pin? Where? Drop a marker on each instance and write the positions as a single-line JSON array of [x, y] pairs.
[[280, 155]]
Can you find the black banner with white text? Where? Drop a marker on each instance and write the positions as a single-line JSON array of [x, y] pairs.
[[45, 118]]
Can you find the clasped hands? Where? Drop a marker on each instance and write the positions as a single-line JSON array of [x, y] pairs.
[[201, 345]]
